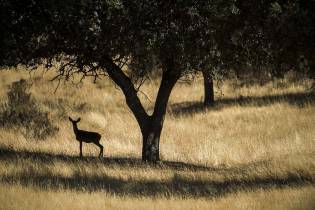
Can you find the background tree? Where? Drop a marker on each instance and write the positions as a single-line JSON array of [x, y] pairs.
[[208, 88], [269, 38], [277, 35]]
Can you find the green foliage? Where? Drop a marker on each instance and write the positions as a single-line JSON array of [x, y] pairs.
[[189, 34], [21, 111], [147, 33]]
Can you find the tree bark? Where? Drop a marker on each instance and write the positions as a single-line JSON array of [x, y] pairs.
[[208, 88], [150, 126], [151, 141]]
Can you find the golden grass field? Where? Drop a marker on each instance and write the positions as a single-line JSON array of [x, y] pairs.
[[254, 150]]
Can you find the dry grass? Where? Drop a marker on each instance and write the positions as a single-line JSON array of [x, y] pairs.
[[29, 198], [253, 150]]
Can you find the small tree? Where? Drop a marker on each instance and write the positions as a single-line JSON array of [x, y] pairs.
[[21, 110]]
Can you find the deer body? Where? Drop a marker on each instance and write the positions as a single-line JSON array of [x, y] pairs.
[[86, 136]]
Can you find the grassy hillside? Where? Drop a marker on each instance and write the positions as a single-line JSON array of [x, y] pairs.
[[254, 150]]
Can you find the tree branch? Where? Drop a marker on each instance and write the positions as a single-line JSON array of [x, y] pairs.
[[125, 84], [169, 79]]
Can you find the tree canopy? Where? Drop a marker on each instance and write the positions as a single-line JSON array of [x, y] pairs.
[[276, 33]]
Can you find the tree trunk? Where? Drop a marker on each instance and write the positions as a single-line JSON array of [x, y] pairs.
[[151, 141], [150, 126], [152, 131], [208, 88]]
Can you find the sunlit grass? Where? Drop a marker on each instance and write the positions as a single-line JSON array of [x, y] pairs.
[[13, 197], [237, 155]]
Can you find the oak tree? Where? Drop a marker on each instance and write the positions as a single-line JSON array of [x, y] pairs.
[[178, 37]]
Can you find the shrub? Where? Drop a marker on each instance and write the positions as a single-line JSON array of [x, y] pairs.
[[22, 111]]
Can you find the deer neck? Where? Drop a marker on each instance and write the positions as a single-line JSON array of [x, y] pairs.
[[75, 128]]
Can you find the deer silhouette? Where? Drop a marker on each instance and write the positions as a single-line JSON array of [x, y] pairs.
[[86, 136]]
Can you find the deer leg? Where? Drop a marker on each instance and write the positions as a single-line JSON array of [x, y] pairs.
[[101, 148], [81, 149]]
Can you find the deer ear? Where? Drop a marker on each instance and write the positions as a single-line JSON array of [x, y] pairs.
[[70, 119], [79, 119]]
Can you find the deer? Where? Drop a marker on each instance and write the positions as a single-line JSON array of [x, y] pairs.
[[86, 136]]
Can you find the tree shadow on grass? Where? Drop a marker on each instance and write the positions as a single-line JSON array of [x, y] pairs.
[[43, 157], [177, 186], [294, 99]]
